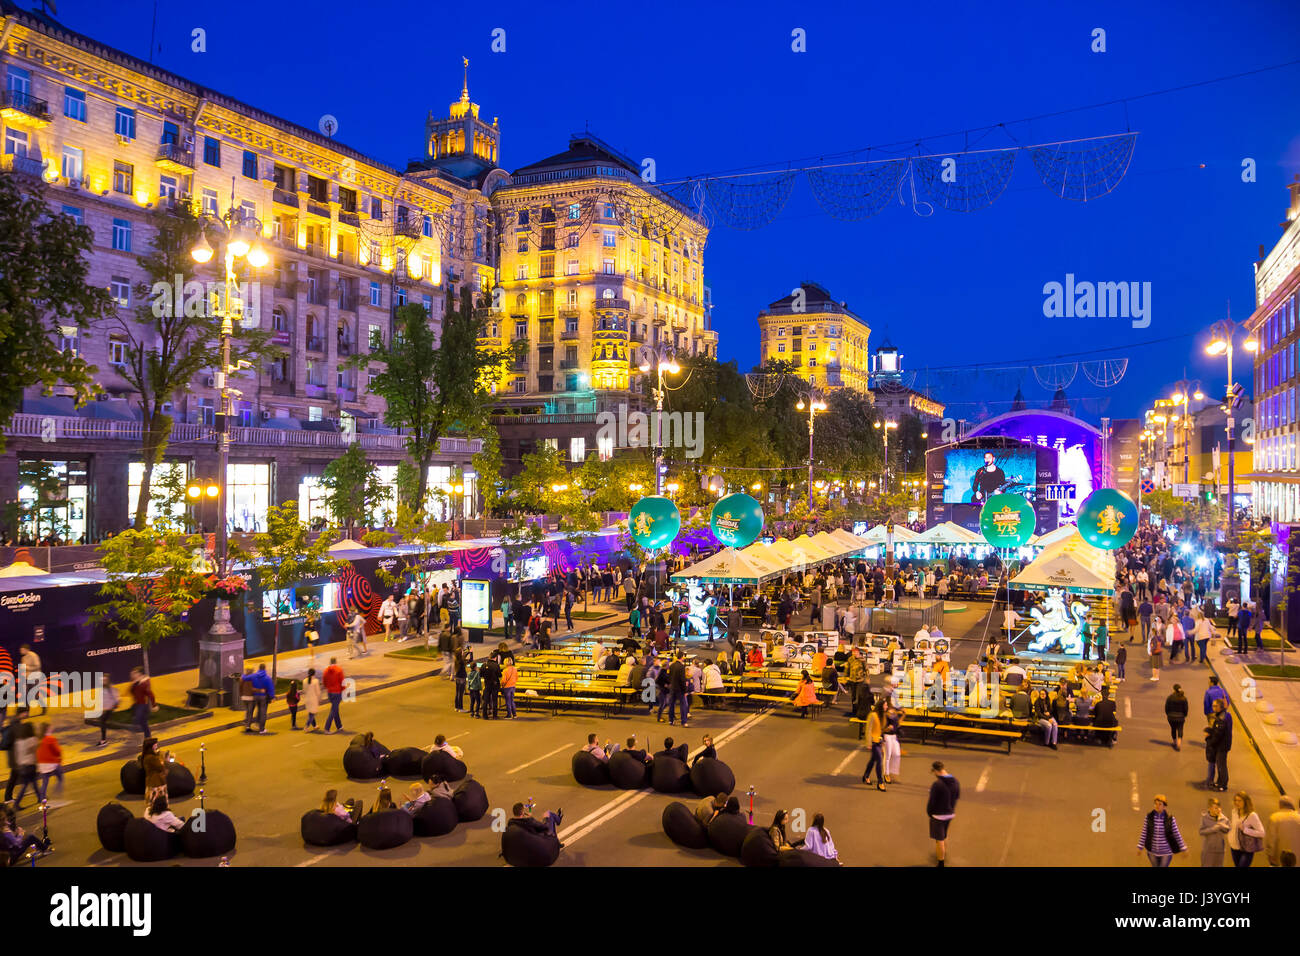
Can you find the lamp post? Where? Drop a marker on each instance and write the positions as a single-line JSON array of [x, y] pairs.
[[1221, 344], [814, 405], [884, 428], [659, 366], [1183, 396], [237, 238], [458, 491]]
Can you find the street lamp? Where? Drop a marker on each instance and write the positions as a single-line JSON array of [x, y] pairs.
[[661, 365], [459, 490], [1221, 344], [1183, 396], [814, 405], [884, 429], [672, 487]]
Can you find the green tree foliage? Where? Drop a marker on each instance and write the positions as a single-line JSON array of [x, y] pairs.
[[44, 264], [531, 489], [352, 491]]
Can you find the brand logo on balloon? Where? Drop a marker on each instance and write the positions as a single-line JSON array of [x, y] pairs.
[[1108, 519], [737, 520], [653, 522], [1007, 521]]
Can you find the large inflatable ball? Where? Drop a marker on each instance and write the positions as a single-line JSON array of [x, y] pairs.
[[111, 826], [471, 801], [522, 847], [628, 772], [670, 775], [589, 770], [406, 762], [360, 764], [439, 763], [146, 843], [758, 849], [803, 858], [727, 833], [682, 827], [710, 776], [211, 833], [325, 829], [385, 829], [438, 817]]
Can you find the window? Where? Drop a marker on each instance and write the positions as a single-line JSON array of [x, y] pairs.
[[780, 347], [374, 253], [73, 163], [117, 353], [608, 267], [376, 294], [15, 142], [521, 385], [521, 272], [347, 199], [210, 202], [123, 177], [521, 242], [74, 103], [250, 164], [426, 300], [124, 123], [69, 339], [610, 240], [313, 413], [427, 227], [166, 187], [376, 209], [400, 299], [376, 338], [171, 133], [20, 81], [119, 287], [577, 448], [212, 151], [248, 495], [77, 213], [521, 330], [605, 447], [546, 267], [575, 211], [318, 189], [122, 235], [247, 211], [523, 217], [571, 267]]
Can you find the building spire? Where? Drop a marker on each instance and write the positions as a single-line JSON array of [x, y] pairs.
[[464, 90]]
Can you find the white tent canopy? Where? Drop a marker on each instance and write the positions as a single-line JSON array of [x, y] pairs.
[[948, 532], [1071, 565], [728, 566], [849, 540], [878, 535], [1048, 538], [812, 550]]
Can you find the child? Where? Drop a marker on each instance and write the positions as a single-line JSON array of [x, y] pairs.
[[49, 761], [292, 699], [475, 685]]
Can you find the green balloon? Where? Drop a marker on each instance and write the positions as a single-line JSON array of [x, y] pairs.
[[737, 520], [1007, 521], [1108, 519], [654, 521]]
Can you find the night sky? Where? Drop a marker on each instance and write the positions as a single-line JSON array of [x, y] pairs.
[[711, 88]]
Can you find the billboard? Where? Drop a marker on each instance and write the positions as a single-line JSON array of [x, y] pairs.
[[973, 475], [476, 604]]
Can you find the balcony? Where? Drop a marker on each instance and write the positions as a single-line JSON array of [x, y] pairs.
[[23, 109], [609, 303], [570, 335], [568, 366], [408, 228], [345, 347], [520, 364], [636, 336], [285, 197], [287, 289], [315, 343], [347, 303], [317, 209], [567, 313], [315, 390], [22, 166], [349, 218], [280, 386], [346, 394], [174, 158]]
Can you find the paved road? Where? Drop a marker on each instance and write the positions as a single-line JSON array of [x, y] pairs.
[[1081, 805]]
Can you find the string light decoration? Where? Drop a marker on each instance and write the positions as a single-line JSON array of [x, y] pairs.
[[1084, 169], [745, 203], [857, 192], [1105, 373], [1058, 375], [965, 182]]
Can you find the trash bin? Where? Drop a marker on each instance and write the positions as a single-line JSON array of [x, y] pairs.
[[232, 691]]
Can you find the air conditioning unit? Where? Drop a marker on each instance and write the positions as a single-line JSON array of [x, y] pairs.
[[266, 414], [210, 381]]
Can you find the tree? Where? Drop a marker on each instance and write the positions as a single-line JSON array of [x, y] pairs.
[[411, 526], [608, 482], [44, 264], [352, 490], [432, 382], [170, 339], [283, 556], [531, 489], [154, 577]]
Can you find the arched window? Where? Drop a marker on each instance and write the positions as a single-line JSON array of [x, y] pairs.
[[521, 302]]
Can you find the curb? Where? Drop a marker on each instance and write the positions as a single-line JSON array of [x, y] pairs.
[[1243, 724]]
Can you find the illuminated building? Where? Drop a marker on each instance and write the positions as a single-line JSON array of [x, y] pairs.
[[823, 339], [892, 396]]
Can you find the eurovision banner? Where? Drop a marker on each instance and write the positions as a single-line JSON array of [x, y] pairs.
[[1007, 521], [737, 520]]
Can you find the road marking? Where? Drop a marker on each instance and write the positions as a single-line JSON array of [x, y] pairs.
[[1133, 791], [1128, 708], [984, 777], [620, 803], [1011, 828], [539, 759], [313, 860], [845, 761]]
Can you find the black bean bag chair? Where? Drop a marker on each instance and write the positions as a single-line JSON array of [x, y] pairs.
[[803, 858], [727, 833], [360, 764], [145, 843], [132, 777], [111, 826], [212, 833], [436, 818], [682, 827], [360, 739], [522, 847], [406, 762], [589, 770], [471, 801], [325, 829], [711, 776], [439, 763], [627, 772], [180, 782], [670, 775], [385, 829], [758, 849]]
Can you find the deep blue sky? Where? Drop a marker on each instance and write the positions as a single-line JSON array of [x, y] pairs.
[[704, 88]]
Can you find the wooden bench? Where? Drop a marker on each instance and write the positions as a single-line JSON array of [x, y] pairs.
[[724, 696], [924, 726], [557, 702], [1090, 727], [773, 699], [1008, 736]]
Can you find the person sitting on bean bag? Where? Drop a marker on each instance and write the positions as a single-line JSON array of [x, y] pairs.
[[522, 816], [440, 743], [161, 817], [680, 751], [331, 805], [416, 798], [631, 748], [709, 751], [368, 744], [710, 807], [596, 750], [385, 801], [436, 786]]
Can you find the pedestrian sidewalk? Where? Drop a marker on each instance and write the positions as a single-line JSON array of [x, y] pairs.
[[1266, 709], [378, 670]]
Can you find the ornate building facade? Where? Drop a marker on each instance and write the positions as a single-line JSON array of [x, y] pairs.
[[823, 339]]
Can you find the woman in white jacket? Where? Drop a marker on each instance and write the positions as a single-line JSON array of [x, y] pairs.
[[311, 695], [388, 616], [818, 839], [1246, 834]]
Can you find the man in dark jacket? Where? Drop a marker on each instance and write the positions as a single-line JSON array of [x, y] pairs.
[[941, 807], [490, 672], [263, 694], [523, 818], [1103, 715], [677, 689], [1218, 741], [680, 751]]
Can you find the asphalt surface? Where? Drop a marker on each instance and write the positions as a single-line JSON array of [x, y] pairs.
[[1081, 805]]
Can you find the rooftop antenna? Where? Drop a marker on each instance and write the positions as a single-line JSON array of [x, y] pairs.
[[153, 30], [53, 7]]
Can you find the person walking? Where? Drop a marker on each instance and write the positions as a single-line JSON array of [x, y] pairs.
[[893, 748], [293, 698], [1157, 650], [1121, 660], [875, 734], [1218, 741], [855, 675], [1246, 832], [1243, 629], [311, 697], [332, 681], [1214, 833], [248, 697], [1176, 714], [677, 691], [509, 677], [568, 608], [1145, 610], [142, 699], [1160, 838], [474, 682], [263, 694], [1259, 616], [108, 700], [1283, 831], [402, 613], [388, 616], [941, 807], [461, 676], [49, 761], [1204, 630]]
